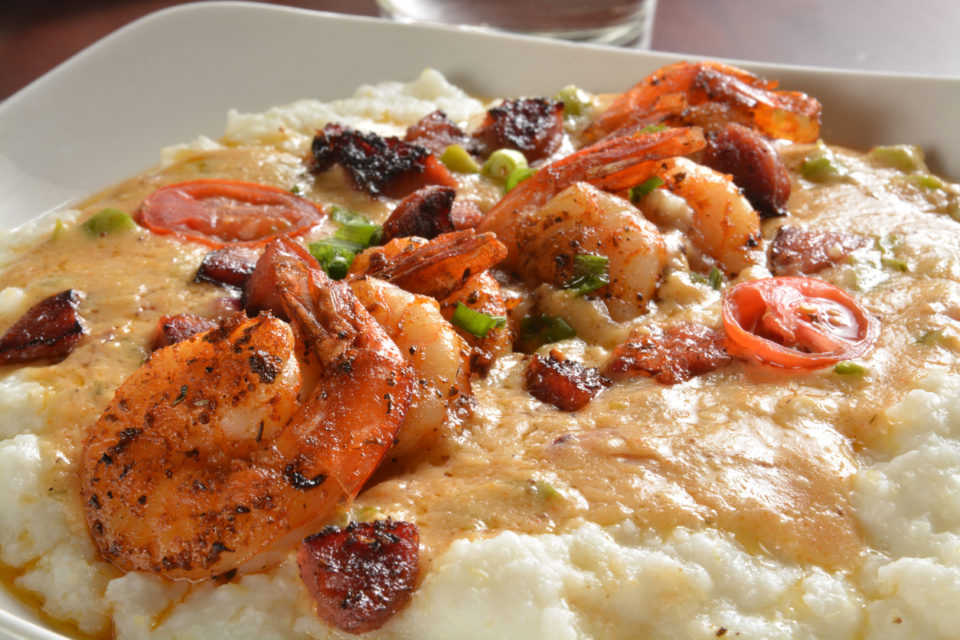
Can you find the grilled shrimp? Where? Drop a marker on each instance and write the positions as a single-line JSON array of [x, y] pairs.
[[710, 94], [583, 220], [451, 268], [543, 237], [208, 462], [724, 225], [614, 164], [439, 357], [545, 222]]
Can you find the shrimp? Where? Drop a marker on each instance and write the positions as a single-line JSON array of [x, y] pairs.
[[543, 237], [615, 164], [482, 293], [550, 218], [724, 225], [451, 268], [437, 354], [582, 220], [436, 267], [207, 462], [710, 94]]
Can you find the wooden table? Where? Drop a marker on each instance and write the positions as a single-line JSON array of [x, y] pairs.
[[881, 35]]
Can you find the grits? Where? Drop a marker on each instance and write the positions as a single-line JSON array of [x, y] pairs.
[[743, 503]]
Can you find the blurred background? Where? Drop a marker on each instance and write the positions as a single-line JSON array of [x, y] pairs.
[[922, 36]]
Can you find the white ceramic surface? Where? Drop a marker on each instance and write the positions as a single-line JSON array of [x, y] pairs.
[[104, 114]]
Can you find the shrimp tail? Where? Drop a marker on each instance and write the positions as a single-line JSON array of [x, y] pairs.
[[614, 164], [436, 268], [674, 93], [350, 347], [617, 160]]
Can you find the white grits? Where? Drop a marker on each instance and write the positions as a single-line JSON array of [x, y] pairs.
[[589, 582]]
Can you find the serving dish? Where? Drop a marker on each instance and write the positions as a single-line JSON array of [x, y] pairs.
[[171, 76]]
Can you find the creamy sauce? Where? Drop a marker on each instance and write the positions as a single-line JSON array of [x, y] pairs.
[[765, 454]]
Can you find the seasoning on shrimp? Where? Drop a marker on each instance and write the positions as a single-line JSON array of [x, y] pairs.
[[239, 468], [710, 94]]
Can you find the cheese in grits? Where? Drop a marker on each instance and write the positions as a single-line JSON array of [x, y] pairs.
[[412, 365]]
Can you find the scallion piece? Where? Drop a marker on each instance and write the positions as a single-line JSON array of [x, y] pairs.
[[925, 181], [575, 100], [905, 157], [355, 228], [476, 322], [109, 220], [590, 272], [930, 337], [59, 229], [715, 278], [546, 491], [847, 368], [364, 235], [543, 329], [654, 128], [822, 165], [646, 187], [517, 176], [458, 159], [502, 163], [895, 263], [334, 255]]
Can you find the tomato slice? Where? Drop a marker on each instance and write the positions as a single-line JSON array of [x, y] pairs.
[[795, 322], [218, 213]]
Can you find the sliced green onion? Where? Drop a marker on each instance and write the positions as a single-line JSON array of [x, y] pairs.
[[502, 163], [575, 100], [476, 322], [109, 220], [925, 181], [546, 491], [888, 246], [334, 255], [590, 272], [654, 128], [905, 157], [822, 165], [847, 368], [646, 187], [517, 176], [546, 329], [930, 337], [365, 235], [895, 263], [59, 229], [356, 228], [296, 190], [458, 159], [715, 278]]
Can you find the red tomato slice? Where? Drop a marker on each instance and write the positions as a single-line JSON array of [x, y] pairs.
[[227, 212], [798, 323]]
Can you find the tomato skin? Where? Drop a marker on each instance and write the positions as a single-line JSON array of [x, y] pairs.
[[795, 323], [219, 213]]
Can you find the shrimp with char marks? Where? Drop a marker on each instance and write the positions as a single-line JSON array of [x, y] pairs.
[[561, 212], [453, 269], [710, 94], [207, 462], [438, 356]]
